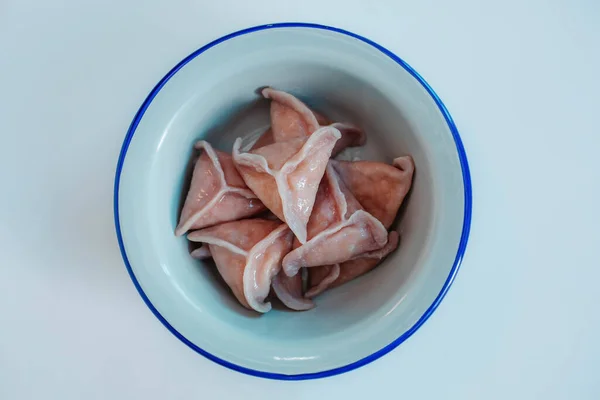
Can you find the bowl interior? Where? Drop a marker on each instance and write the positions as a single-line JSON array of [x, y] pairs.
[[213, 97]]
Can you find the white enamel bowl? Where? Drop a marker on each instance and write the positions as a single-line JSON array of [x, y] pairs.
[[211, 95]]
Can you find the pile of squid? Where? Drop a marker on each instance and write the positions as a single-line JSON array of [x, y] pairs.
[[287, 219]]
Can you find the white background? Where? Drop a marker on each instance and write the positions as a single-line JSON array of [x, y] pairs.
[[522, 81]]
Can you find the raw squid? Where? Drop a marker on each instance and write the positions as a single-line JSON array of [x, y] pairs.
[[338, 211], [380, 188], [289, 291], [201, 253], [339, 229], [217, 193], [285, 175], [248, 255], [330, 276], [292, 119], [352, 136]]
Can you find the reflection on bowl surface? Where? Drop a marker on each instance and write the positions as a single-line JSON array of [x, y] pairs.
[[211, 96]]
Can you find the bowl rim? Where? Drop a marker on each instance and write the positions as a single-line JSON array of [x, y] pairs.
[[461, 247]]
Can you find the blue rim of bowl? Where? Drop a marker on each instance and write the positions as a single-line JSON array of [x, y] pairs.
[[461, 247]]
